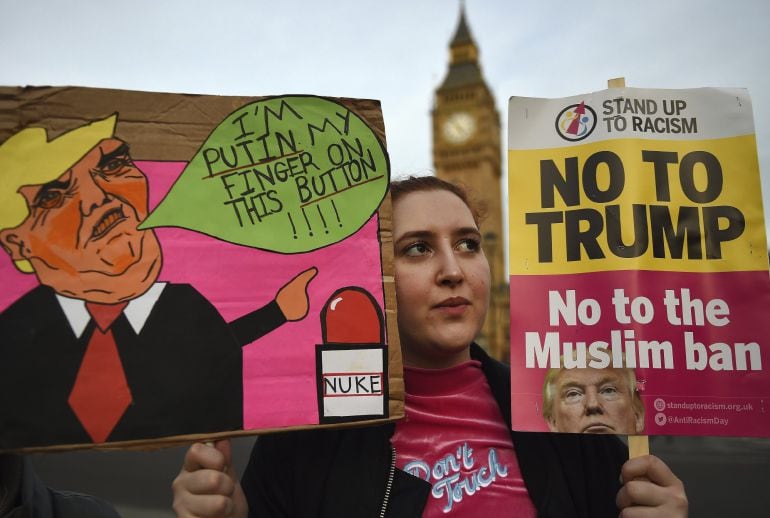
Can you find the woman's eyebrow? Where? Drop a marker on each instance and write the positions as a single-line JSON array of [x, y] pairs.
[[415, 234], [468, 230], [426, 234]]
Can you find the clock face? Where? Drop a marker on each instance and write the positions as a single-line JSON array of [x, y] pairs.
[[459, 127]]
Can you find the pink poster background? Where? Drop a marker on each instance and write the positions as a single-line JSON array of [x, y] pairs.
[[678, 401], [279, 369]]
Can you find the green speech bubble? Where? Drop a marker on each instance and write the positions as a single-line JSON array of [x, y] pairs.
[[288, 174]]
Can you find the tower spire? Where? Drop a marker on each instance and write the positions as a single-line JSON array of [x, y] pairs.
[[462, 34], [464, 66]]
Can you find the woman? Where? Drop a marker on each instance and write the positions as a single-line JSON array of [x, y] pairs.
[[454, 452]]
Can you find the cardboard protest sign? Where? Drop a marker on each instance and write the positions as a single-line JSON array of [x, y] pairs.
[[185, 266], [638, 263]]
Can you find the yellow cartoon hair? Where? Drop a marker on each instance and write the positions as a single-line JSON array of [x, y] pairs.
[[29, 158]]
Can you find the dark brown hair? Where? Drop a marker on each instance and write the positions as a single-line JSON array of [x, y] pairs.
[[399, 188]]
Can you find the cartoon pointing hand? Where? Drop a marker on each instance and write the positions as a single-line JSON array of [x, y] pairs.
[[293, 299]]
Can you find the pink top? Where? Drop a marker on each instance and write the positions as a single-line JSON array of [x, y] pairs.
[[454, 437]]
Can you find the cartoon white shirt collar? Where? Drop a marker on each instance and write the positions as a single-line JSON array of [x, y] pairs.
[[137, 311]]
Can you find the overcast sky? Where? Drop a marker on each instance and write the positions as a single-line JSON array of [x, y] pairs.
[[394, 50]]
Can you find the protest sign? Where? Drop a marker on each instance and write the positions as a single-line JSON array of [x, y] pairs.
[[637, 241], [181, 266]]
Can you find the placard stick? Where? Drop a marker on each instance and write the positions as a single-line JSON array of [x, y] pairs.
[[638, 445]]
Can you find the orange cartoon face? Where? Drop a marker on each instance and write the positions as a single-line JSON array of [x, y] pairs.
[[81, 236]]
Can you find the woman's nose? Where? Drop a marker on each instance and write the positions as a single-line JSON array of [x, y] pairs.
[[450, 272]]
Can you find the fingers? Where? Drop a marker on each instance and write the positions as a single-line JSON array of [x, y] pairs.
[[640, 493], [203, 506], [223, 447], [650, 489], [204, 456], [641, 499], [649, 467], [206, 486], [209, 482], [641, 512]]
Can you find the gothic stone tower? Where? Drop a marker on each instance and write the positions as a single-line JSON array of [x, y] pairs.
[[466, 150]]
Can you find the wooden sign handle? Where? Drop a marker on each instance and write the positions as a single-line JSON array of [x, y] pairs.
[[638, 445]]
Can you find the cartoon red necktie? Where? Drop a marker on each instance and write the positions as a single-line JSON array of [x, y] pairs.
[[101, 395]]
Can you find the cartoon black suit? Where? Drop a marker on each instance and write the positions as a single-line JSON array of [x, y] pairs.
[[183, 366]]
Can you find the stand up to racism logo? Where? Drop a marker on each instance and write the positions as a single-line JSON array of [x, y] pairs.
[[576, 122]]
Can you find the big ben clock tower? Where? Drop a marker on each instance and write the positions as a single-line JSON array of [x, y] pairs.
[[466, 150]]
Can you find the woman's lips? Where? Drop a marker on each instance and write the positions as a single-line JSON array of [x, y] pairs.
[[453, 306]]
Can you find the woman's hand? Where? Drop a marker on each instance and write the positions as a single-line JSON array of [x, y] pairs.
[[207, 486], [650, 490]]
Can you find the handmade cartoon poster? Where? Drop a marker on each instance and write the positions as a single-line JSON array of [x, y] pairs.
[[183, 266], [638, 264]]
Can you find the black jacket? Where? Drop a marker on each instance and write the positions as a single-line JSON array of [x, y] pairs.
[[23, 495], [345, 472]]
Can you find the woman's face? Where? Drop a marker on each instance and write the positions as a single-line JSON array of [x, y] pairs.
[[442, 278]]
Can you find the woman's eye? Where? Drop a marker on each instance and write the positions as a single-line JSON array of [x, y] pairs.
[[469, 245], [49, 199], [416, 249]]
